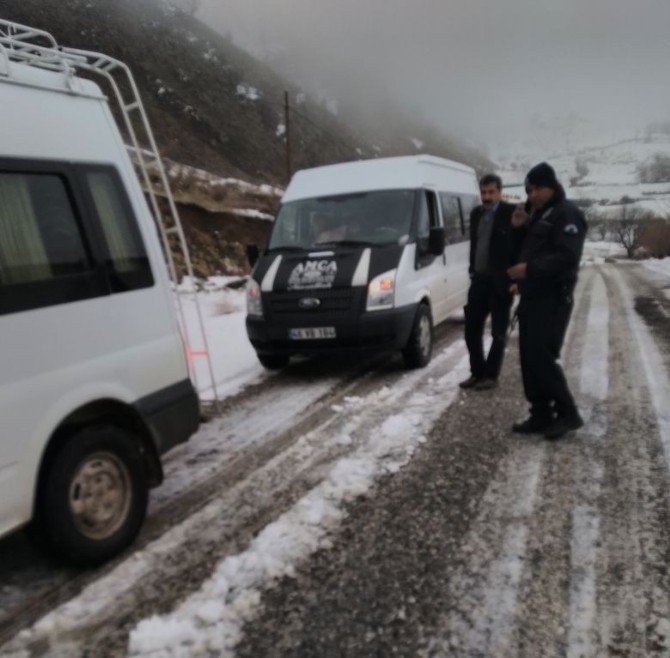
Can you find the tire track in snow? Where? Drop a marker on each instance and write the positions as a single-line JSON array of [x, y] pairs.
[[495, 594], [585, 528], [544, 601], [635, 580]]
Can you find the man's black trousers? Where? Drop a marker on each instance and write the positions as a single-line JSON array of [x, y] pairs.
[[542, 325], [484, 298]]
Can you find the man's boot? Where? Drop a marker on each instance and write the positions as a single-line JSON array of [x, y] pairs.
[[534, 424], [563, 425], [469, 382]]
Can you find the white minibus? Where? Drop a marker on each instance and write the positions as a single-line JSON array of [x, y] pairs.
[[363, 256], [94, 383]]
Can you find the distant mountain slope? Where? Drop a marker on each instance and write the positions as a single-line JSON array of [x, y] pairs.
[[212, 105], [599, 177]]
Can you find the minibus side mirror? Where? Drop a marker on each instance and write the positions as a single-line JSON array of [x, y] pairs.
[[436, 240], [252, 254]]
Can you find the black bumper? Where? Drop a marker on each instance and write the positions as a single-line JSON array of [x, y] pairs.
[[171, 414], [371, 330]]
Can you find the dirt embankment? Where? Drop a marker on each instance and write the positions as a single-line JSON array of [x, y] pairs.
[[220, 216]]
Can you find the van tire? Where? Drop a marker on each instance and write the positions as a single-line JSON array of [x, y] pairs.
[[273, 361], [419, 348], [102, 465]]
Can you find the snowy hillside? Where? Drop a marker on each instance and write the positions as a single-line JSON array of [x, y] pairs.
[[600, 176]]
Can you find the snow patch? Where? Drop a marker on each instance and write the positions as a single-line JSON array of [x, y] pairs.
[[252, 214], [248, 92]]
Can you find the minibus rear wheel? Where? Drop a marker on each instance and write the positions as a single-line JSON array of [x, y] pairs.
[[419, 348], [273, 361], [94, 496]]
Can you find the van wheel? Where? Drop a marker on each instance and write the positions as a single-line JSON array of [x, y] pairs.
[[273, 361], [419, 347], [94, 496]]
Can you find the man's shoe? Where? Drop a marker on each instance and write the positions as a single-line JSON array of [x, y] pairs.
[[563, 425], [485, 384], [532, 425], [469, 382]]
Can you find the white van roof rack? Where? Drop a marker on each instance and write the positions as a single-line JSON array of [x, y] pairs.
[[37, 48]]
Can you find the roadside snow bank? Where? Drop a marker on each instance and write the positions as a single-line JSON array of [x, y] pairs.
[[234, 360]]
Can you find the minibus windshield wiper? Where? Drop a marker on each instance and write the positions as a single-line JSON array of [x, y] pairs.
[[345, 243], [286, 247]]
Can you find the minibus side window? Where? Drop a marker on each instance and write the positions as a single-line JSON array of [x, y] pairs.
[[427, 217], [45, 256], [451, 211], [422, 222], [468, 202], [39, 235], [125, 258]]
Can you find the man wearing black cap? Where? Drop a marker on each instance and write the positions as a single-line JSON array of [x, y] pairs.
[[494, 246], [546, 276]]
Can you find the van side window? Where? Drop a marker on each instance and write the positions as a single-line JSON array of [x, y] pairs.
[[427, 217], [40, 238], [453, 224], [422, 222], [468, 203], [126, 258]]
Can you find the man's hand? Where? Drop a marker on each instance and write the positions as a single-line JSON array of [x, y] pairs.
[[517, 272], [519, 216]]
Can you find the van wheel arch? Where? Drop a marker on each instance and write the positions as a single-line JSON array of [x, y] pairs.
[[418, 351], [102, 412]]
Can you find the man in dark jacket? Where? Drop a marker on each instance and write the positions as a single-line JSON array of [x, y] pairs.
[[494, 247], [546, 276]]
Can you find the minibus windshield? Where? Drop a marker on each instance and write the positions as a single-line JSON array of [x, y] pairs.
[[367, 219]]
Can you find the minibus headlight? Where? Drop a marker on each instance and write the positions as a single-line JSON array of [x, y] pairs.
[[381, 291], [254, 305]]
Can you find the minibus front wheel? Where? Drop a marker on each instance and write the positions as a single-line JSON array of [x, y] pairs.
[[94, 496], [419, 348]]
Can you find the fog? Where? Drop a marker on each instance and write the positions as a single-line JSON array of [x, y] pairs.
[[496, 73]]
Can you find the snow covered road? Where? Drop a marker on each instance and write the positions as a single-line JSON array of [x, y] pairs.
[[378, 512]]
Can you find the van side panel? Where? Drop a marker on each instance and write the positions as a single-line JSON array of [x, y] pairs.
[[124, 346]]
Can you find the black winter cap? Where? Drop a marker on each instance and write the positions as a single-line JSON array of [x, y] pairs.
[[543, 175]]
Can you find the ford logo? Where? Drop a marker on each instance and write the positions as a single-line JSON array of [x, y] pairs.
[[309, 302]]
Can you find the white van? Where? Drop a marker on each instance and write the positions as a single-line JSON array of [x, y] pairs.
[[94, 383], [363, 255]]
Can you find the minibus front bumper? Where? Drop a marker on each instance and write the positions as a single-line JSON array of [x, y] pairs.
[[372, 330]]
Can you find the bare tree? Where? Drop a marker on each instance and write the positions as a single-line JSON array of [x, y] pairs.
[[600, 229], [582, 170], [656, 170], [628, 230]]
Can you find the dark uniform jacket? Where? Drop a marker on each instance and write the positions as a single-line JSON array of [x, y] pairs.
[[553, 249], [505, 244]]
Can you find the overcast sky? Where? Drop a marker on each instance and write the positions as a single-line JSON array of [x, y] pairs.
[[483, 69]]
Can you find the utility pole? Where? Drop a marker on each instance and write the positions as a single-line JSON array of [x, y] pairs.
[[287, 137]]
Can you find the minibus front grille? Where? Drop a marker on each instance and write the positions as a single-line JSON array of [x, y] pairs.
[[330, 302]]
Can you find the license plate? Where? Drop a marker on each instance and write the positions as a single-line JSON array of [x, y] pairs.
[[311, 333]]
